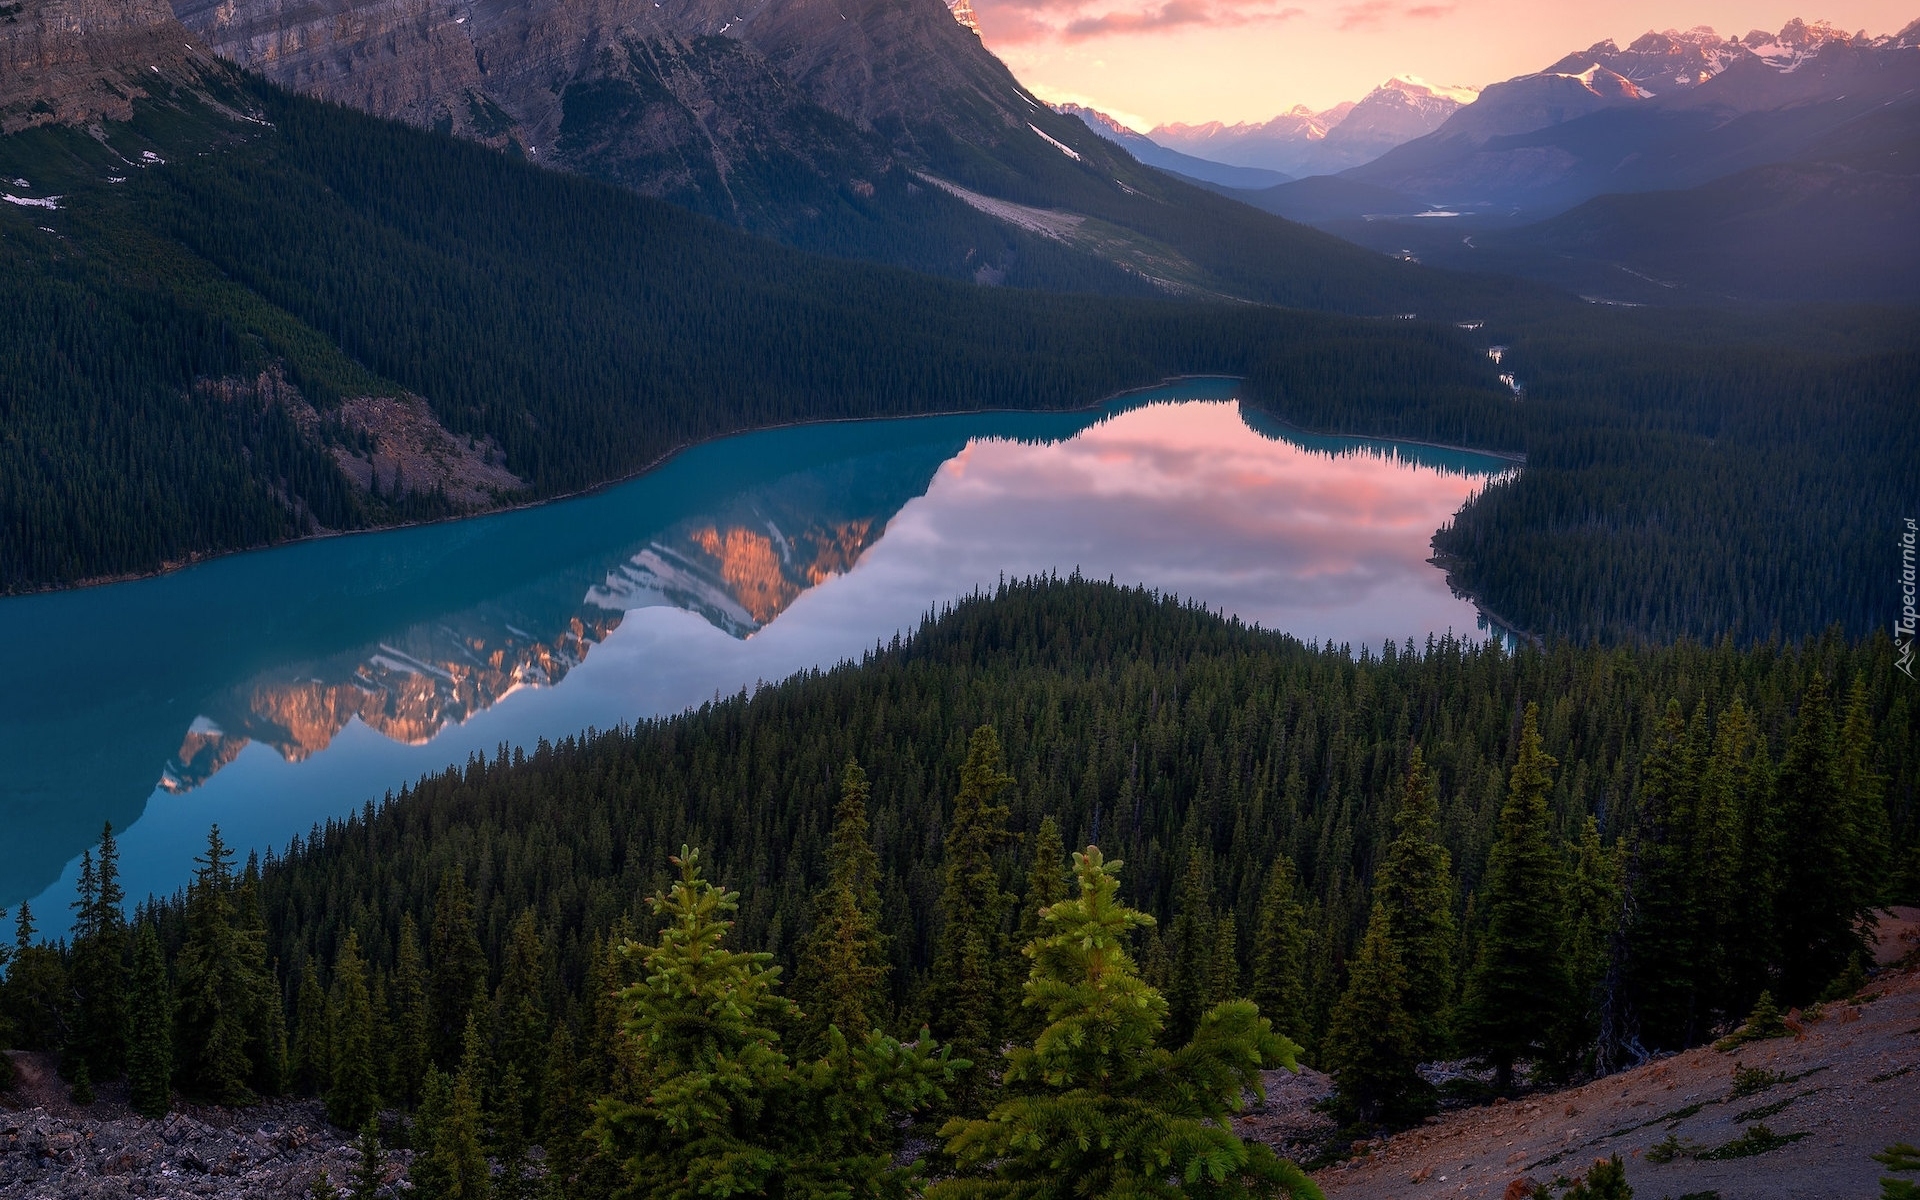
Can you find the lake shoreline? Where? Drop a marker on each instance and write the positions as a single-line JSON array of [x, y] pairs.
[[201, 557]]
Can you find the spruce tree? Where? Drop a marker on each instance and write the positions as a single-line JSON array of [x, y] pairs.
[[1372, 1046], [520, 1015], [965, 992], [841, 980], [1280, 954], [1821, 901], [370, 1168], [352, 1086], [6, 1017], [1516, 994], [1714, 864], [312, 1035], [1739, 773], [1415, 885], [1663, 936], [459, 1160], [1592, 925], [713, 1107], [266, 1010], [1861, 791], [149, 1028], [37, 997], [98, 964], [412, 1019], [1192, 940], [214, 987], [1096, 1106], [457, 968]]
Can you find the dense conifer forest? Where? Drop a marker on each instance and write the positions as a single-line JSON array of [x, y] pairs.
[[1703, 475], [745, 943]]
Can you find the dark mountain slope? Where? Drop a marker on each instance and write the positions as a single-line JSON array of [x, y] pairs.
[[813, 121], [197, 302], [1541, 143]]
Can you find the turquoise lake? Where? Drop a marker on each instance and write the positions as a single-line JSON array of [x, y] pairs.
[[272, 690]]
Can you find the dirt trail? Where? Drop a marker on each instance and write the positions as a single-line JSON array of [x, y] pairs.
[[1845, 1087]]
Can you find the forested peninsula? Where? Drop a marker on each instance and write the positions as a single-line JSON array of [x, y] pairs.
[[1555, 860]]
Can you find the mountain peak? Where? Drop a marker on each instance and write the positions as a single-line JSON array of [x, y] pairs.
[[962, 11], [1413, 85]]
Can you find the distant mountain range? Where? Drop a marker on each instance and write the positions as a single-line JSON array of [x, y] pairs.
[[1153, 154], [1302, 142], [1686, 167]]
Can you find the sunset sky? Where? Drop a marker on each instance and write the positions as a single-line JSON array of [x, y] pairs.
[[1153, 61]]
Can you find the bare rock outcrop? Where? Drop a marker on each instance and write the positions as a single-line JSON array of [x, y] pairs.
[[78, 61]]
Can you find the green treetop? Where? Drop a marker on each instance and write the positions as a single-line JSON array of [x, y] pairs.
[[1517, 992], [716, 1109], [965, 993], [1373, 1043], [841, 981], [353, 1089], [1096, 1106], [1280, 953], [1415, 885]]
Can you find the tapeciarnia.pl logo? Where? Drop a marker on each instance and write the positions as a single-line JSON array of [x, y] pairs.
[[1903, 629]]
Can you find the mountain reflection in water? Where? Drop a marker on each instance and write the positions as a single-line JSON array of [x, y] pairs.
[[268, 691]]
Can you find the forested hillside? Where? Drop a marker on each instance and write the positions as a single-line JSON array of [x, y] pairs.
[[1552, 861], [179, 345], [583, 330]]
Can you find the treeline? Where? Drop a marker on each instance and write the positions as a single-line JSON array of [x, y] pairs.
[[1554, 862], [586, 330]]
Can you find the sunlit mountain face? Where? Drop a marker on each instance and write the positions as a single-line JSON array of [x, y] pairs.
[[407, 689], [738, 568]]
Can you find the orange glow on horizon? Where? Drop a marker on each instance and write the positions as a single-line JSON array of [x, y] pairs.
[[1150, 62]]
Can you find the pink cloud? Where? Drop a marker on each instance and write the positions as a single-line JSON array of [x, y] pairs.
[[1370, 14], [1010, 21]]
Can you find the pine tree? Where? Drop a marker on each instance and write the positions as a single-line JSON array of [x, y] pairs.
[[36, 988], [1517, 991], [352, 1086], [1861, 790], [312, 1035], [969, 955], [520, 1015], [1739, 770], [1820, 902], [1662, 937], [1192, 940], [369, 1170], [1048, 880], [150, 1028], [1592, 923], [1280, 954], [1415, 884], [1372, 1045], [6, 1018], [98, 964], [1096, 1106], [1716, 860], [714, 1107], [841, 981], [456, 1166], [265, 1006], [214, 987], [457, 967], [412, 1019]]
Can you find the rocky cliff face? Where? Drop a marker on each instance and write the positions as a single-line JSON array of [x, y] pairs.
[[694, 100], [77, 61]]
